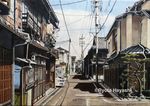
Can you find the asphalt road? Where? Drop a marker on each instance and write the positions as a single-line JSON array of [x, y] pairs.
[[81, 92]]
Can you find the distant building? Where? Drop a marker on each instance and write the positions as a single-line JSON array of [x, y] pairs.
[[90, 59], [62, 60], [73, 64]]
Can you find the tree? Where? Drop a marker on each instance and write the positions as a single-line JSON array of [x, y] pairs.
[[134, 75]]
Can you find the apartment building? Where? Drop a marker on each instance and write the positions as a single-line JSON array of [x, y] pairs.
[[129, 34]]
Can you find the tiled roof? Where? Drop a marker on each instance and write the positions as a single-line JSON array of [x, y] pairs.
[[62, 49], [146, 13], [139, 48]]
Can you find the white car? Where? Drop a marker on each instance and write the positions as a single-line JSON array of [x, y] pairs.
[[59, 79], [59, 82]]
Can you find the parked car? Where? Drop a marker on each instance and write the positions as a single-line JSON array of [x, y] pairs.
[[59, 79]]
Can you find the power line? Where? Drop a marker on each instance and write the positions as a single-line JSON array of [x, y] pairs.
[[64, 20], [72, 14], [107, 16], [88, 44], [74, 49], [78, 29], [91, 23], [74, 22], [68, 65], [69, 3]]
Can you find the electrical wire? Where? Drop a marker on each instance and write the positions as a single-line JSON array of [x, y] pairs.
[[74, 22], [71, 14], [75, 2], [64, 20], [78, 29], [88, 44], [83, 21], [107, 16], [91, 23], [74, 49], [66, 27]]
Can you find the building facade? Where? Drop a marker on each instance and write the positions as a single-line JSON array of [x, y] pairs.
[[62, 60], [129, 35], [90, 59], [27, 41]]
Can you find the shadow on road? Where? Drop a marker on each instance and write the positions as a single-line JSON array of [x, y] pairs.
[[85, 87], [80, 77], [88, 86]]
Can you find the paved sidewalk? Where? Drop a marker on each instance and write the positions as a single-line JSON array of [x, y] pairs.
[[48, 94]]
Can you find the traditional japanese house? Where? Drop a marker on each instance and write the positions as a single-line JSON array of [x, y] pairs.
[[90, 59], [40, 24], [128, 35]]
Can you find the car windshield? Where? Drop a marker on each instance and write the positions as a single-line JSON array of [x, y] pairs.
[[59, 73]]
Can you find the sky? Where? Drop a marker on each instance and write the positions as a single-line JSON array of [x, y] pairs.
[[80, 21]]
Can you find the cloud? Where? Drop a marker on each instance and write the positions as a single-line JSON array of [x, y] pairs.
[[78, 23]]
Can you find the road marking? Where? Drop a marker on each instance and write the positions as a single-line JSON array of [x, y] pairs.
[[91, 95]]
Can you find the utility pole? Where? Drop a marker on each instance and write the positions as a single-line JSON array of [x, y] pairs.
[[97, 4], [68, 67], [81, 43], [14, 14]]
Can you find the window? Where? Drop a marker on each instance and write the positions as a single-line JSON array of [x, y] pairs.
[[109, 46], [116, 41]]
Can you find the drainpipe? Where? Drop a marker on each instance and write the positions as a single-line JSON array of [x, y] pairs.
[[14, 14], [13, 79]]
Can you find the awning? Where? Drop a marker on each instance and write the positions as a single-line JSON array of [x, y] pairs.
[[25, 60], [38, 45], [38, 55]]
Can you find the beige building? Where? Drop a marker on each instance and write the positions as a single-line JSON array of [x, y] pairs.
[[130, 28], [129, 34], [62, 60]]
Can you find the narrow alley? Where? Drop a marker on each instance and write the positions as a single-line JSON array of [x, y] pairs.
[[81, 92], [74, 52]]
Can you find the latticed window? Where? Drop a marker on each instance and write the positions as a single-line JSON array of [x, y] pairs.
[[5, 75]]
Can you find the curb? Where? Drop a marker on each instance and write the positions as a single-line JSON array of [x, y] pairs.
[[112, 94], [47, 97]]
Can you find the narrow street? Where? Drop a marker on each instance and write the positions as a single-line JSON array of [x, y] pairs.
[[81, 92]]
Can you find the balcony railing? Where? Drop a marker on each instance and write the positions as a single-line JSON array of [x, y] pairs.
[[28, 21]]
